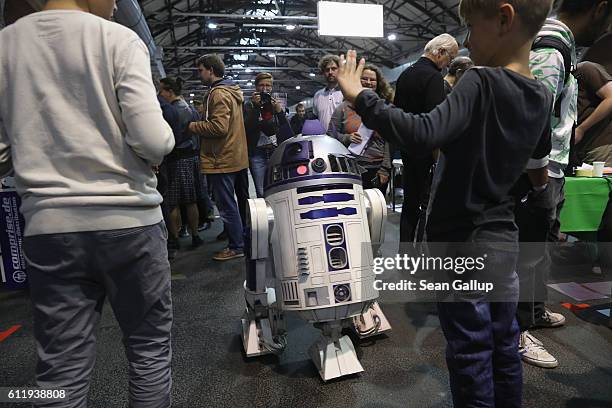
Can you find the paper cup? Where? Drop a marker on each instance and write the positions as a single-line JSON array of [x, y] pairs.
[[598, 168]]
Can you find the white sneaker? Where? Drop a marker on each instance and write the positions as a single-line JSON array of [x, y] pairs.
[[532, 352], [550, 319]]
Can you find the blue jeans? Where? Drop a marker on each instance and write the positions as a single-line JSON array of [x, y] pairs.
[[223, 185], [482, 346], [258, 166]]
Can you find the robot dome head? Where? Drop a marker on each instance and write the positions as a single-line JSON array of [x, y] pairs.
[[308, 159]]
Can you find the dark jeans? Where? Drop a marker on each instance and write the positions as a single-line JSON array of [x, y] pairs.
[[416, 181], [205, 205], [482, 344], [538, 222], [258, 164], [241, 189], [70, 276], [224, 185]]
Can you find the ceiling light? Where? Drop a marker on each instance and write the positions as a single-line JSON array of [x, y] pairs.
[[248, 70], [191, 94], [290, 27], [298, 87], [392, 37], [271, 55], [249, 84], [312, 74], [212, 26]]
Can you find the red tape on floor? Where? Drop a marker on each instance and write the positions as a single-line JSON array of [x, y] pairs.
[[575, 307], [5, 334]]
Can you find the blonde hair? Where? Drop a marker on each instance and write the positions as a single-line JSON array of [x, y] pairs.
[[533, 13], [263, 75]]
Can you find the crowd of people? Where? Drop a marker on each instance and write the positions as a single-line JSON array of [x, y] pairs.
[[103, 167]]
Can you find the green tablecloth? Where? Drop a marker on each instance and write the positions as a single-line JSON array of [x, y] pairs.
[[585, 202]]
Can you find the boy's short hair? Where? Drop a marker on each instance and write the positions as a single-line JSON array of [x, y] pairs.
[[580, 6], [326, 60], [533, 13], [214, 62], [263, 75], [299, 105]]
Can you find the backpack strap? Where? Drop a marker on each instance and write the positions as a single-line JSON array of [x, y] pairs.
[[549, 41]]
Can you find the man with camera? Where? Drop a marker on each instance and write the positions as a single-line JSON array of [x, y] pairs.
[[266, 126]]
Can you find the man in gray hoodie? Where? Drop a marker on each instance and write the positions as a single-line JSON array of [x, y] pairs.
[[81, 127]]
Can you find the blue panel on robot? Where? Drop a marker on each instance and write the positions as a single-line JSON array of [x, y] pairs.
[[327, 198], [327, 213]]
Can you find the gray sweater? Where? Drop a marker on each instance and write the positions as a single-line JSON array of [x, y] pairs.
[[80, 123]]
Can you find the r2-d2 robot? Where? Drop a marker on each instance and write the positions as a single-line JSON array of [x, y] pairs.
[[310, 252]]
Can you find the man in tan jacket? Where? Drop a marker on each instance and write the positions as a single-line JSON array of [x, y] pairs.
[[223, 153]]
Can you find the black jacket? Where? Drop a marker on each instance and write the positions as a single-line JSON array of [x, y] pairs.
[[254, 125]]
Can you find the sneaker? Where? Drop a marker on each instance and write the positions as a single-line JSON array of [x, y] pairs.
[[228, 254], [183, 233], [222, 236], [532, 352], [550, 319], [196, 242], [204, 226]]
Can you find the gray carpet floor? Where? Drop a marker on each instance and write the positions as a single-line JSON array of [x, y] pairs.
[[404, 369]]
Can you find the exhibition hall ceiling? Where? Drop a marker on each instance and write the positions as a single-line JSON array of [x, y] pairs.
[[281, 36]]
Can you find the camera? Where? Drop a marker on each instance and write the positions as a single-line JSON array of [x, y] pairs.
[[267, 110], [266, 98]]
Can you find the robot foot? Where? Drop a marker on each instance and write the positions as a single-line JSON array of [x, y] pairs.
[[334, 356], [372, 322], [257, 338]]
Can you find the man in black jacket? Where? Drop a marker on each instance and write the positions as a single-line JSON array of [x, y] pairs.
[[266, 126], [420, 88]]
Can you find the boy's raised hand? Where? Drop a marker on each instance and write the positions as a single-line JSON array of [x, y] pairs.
[[349, 75]]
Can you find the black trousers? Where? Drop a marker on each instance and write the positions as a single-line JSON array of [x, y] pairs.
[[416, 182]]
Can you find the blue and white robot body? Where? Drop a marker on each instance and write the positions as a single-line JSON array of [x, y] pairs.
[[320, 240]]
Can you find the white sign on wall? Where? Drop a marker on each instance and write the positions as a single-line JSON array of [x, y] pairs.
[[350, 19]]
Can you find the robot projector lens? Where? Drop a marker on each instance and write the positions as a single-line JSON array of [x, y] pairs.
[[342, 293]]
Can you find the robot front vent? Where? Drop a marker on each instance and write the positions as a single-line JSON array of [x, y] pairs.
[[334, 235], [290, 293], [338, 258], [303, 263]]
